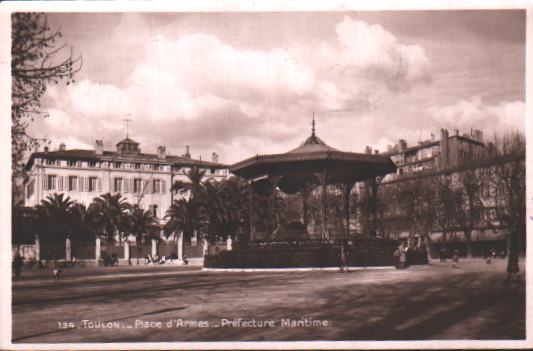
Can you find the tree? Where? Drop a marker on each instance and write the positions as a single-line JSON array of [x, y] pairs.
[[85, 220], [55, 220], [469, 208], [507, 174], [37, 61], [445, 204], [112, 210], [142, 224]]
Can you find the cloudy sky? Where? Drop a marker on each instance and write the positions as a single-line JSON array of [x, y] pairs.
[[247, 83]]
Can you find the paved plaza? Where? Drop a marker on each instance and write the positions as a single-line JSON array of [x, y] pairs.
[[176, 303]]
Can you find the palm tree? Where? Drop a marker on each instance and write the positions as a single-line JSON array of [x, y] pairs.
[[195, 185], [142, 224], [112, 210], [182, 216], [55, 217], [85, 220]]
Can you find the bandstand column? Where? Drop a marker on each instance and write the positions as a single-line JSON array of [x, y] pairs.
[[322, 177], [374, 206], [272, 205], [347, 190], [252, 228], [305, 195]]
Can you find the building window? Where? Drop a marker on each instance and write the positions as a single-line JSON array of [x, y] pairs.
[[156, 167], [91, 164], [118, 185], [71, 163], [137, 185], [50, 161], [157, 186], [92, 183], [52, 179], [117, 164], [72, 183], [137, 166]]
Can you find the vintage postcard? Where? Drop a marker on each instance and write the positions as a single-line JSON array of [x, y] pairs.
[[231, 175]]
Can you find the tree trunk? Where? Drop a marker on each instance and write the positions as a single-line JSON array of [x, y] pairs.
[[429, 246], [468, 237]]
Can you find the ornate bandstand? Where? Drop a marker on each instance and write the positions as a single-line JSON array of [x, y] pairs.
[[311, 165]]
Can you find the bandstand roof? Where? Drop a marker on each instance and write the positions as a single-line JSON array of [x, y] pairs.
[[315, 156]]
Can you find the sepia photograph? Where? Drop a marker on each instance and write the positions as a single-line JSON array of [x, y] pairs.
[[253, 177]]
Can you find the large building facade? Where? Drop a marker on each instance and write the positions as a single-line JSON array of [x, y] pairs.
[[436, 155], [143, 179]]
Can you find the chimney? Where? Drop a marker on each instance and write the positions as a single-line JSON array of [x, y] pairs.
[[368, 150], [99, 147], [161, 152], [62, 147], [214, 157], [187, 153], [402, 145]]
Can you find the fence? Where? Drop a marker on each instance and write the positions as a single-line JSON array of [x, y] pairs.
[[140, 251], [305, 254], [193, 251], [84, 251], [113, 250], [52, 252]]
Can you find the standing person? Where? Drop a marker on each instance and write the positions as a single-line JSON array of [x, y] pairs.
[[455, 258], [512, 267], [403, 256], [396, 255], [344, 260], [442, 254], [17, 264]]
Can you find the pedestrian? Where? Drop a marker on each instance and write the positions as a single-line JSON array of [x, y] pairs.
[[344, 260], [17, 264], [396, 255], [455, 258], [57, 272], [512, 267], [185, 260], [442, 254], [403, 256]]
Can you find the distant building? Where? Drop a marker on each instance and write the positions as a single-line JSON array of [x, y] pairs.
[[143, 179], [448, 152]]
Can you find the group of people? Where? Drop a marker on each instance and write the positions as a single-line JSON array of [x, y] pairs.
[[163, 259]]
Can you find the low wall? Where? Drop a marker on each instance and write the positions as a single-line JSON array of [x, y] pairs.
[[286, 255]]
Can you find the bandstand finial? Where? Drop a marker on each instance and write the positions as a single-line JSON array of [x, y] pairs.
[[313, 125]]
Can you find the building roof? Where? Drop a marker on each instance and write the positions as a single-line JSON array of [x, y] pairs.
[[90, 155], [127, 140], [313, 155]]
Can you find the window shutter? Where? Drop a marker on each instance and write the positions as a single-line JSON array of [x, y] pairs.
[[132, 186], [87, 180], [125, 185], [60, 183], [45, 182], [111, 188], [80, 183], [163, 187], [99, 185], [150, 187]]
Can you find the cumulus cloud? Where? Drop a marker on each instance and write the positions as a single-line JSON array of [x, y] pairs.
[[191, 87], [506, 116], [367, 63]]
